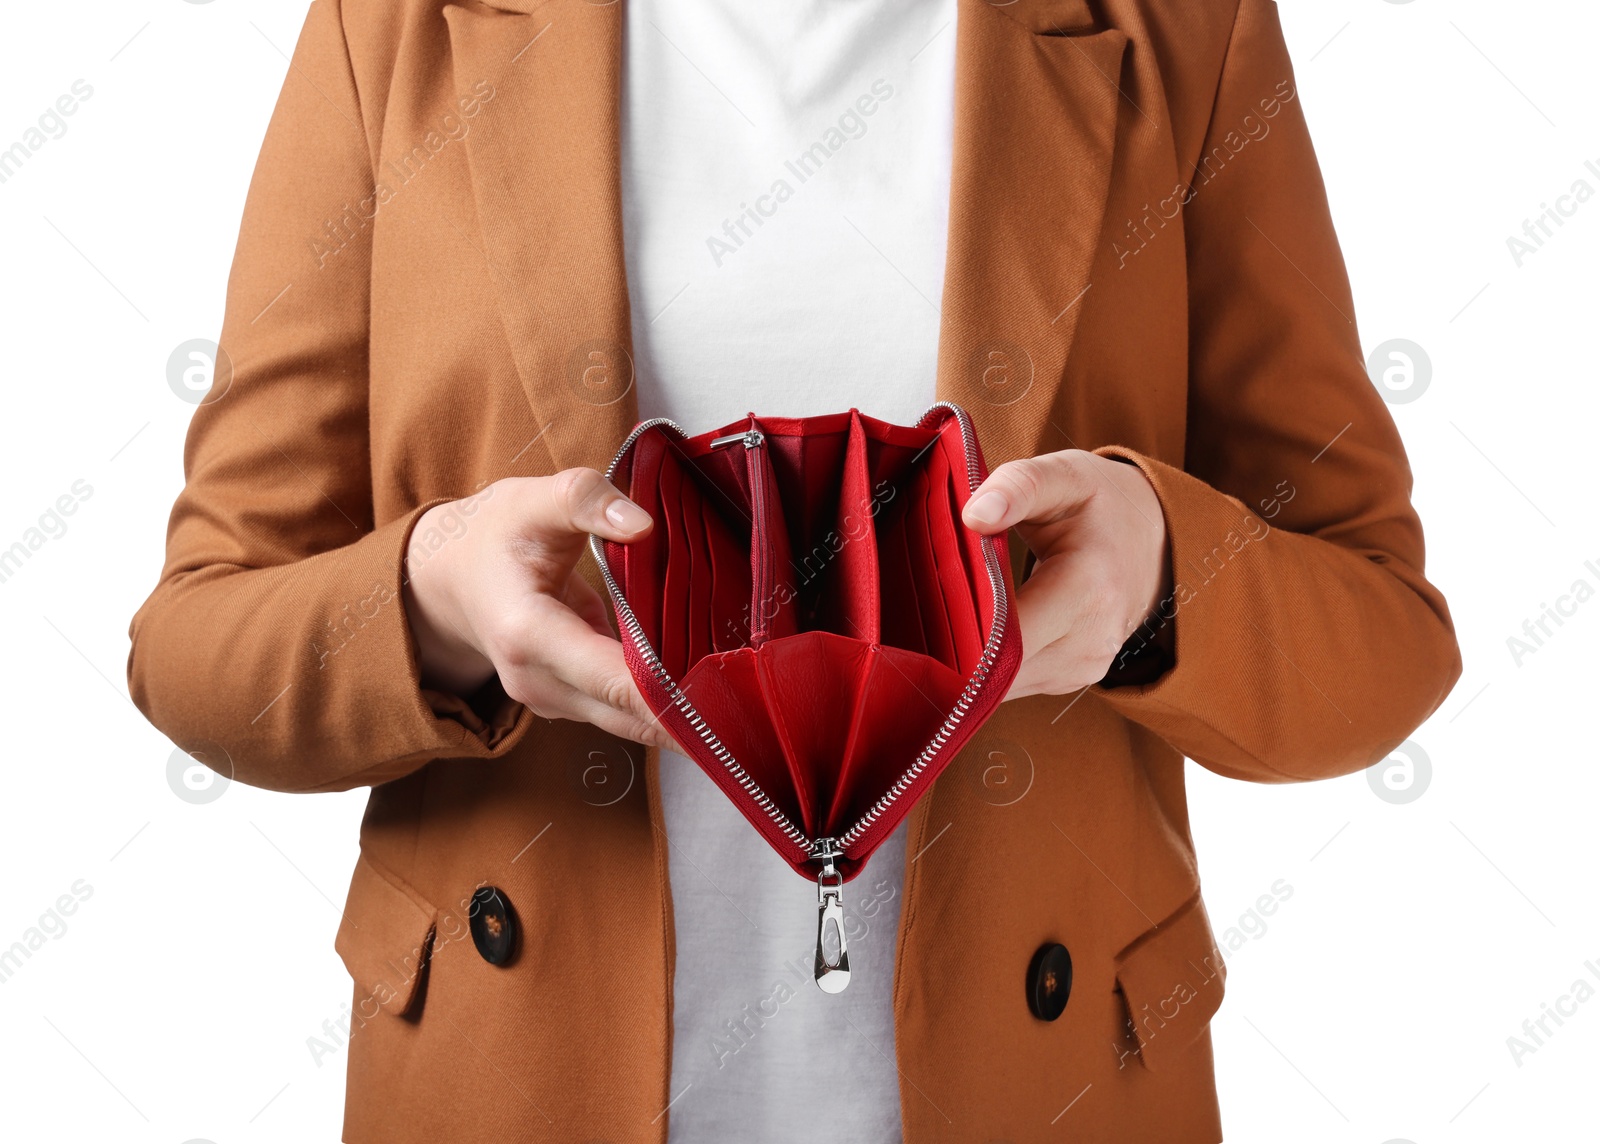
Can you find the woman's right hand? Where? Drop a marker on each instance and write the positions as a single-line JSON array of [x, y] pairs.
[[499, 596]]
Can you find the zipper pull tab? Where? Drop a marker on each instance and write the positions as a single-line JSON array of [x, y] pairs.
[[832, 976], [752, 438]]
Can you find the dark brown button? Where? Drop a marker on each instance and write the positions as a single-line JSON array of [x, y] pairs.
[[1049, 981], [493, 925]]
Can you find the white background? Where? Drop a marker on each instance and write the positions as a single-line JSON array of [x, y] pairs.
[[1377, 1003]]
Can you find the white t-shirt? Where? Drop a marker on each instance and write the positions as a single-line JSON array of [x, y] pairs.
[[785, 177]]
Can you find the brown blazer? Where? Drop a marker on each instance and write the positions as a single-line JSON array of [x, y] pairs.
[[428, 295]]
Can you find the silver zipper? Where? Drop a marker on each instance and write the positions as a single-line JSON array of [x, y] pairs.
[[760, 570], [831, 977], [991, 646], [750, 438], [641, 644]]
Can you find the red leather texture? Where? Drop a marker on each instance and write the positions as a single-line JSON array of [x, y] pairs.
[[814, 607]]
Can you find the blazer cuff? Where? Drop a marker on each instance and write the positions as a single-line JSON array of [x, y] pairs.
[[1166, 654], [484, 725]]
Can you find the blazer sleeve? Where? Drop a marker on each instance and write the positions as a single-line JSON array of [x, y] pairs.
[[1304, 640], [276, 645]]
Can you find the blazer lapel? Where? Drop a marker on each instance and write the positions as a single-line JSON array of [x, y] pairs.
[[1036, 111], [546, 178]]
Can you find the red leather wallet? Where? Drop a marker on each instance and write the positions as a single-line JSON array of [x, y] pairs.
[[813, 623]]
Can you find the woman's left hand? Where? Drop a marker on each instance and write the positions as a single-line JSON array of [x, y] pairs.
[[1100, 542]]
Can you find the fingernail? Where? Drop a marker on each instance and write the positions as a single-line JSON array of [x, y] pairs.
[[627, 516], [987, 508]]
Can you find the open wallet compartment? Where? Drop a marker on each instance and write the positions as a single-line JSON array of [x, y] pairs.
[[813, 623]]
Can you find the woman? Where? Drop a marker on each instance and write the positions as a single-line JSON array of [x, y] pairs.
[[483, 239]]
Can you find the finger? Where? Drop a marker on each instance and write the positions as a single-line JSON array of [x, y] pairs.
[[591, 679], [650, 732], [553, 698], [559, 700], [1034, 490], [589, 605], [1070, 628], [640, 726]]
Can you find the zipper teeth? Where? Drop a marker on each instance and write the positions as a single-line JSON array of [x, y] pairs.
[[758, 513], [980, 673], [659, 672]]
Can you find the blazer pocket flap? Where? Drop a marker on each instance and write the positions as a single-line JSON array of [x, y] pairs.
[[1171, 978], [384, 940]]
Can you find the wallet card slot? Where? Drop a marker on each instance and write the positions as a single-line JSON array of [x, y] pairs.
[[954, 572], [893, 456], [773, 596], [971, 544], [723, 478], [809, 468], [925, 559], [692, 571], [702, 573], [850, 593], [675, 586], [730, 582], [928, 597], [902, 622], [646, 559]]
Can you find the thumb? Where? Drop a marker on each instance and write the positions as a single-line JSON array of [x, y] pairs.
[[557, 514], [583, 501], [1032, 492], [551, 518]]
